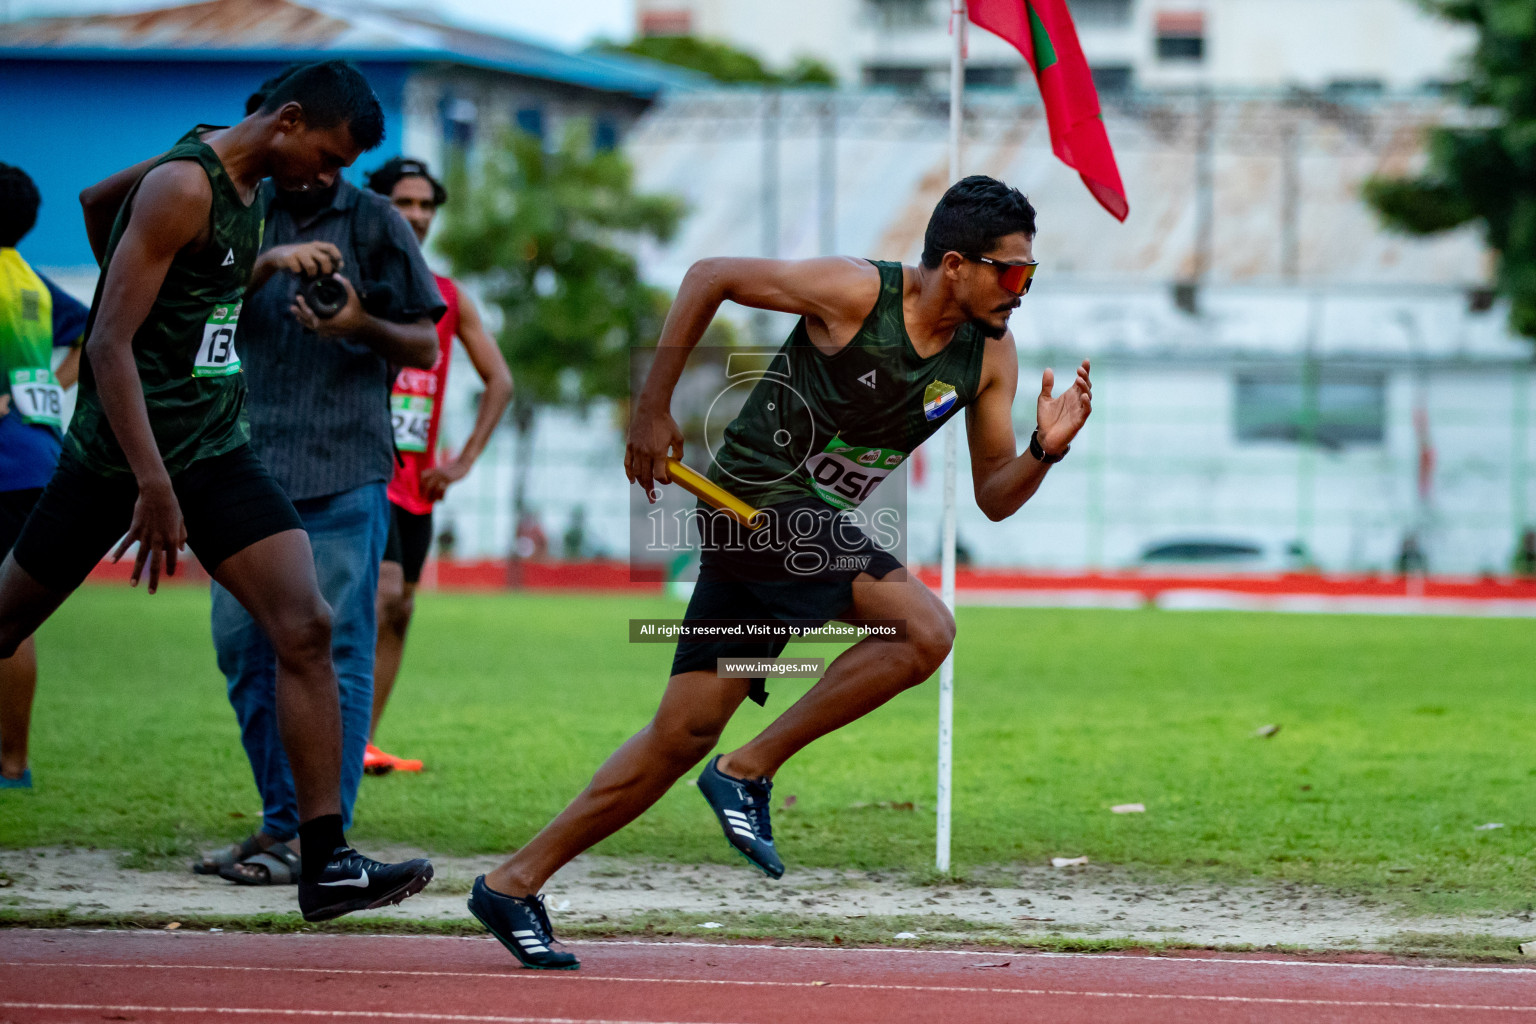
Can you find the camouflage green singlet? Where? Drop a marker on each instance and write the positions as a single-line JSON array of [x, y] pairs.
[[834, 426], [185, 349]]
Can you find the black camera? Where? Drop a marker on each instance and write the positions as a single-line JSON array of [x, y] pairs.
[[325, 296]]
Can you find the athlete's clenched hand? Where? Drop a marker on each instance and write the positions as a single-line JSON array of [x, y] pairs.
[[653, 436], [1060, 418], [159, 529]]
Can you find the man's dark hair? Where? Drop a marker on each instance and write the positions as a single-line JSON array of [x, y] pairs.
[[254, 101], [332, 93], [972, 216], [19, 201]]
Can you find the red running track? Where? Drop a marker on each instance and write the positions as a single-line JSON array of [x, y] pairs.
[[48, 977]]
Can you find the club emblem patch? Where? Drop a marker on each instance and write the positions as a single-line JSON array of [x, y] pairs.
[[938, 399]]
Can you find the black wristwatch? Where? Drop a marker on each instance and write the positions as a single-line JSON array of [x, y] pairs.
[[1039, 453]]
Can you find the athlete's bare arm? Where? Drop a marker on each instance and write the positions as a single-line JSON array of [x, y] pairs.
[[101, 201], [492, 367], [170, 213], [1003, 479], [833, 293], [306, 259], [69, 368]]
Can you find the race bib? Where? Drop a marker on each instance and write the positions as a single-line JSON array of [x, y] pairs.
[[37, 397], [412, 419], [216, 355], [843, 475]]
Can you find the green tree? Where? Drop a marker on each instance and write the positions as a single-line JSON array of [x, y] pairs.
[[721, 61], [1485, 173], [549, 234]]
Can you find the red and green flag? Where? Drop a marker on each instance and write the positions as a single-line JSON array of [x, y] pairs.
[[1042, 31]]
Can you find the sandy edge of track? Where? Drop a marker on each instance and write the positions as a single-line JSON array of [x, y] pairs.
[[1092, 903]]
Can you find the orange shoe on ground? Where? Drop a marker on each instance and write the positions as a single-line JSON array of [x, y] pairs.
[[376, 762]]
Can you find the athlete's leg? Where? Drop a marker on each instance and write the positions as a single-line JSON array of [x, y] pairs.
[[67, 528], [25, 604], [396, 605], [274, 579], [693, 711], [862, 678], [18, 683]]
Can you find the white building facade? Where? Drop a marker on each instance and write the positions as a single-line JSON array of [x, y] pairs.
[[1319, 45]]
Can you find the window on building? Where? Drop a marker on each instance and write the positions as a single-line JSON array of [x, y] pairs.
[[605, 134], [1338, 407], [666, 23], [1343, 89], [1111, 78], [991, 76], [530, 120], [896, 14], [895, 76], [1181, 35], [458, 117], [1100, 13]]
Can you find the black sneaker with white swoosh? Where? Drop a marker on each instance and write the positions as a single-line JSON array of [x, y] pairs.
[[354, 882]]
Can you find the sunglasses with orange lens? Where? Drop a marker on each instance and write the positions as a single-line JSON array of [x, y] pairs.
[[1014, 277]]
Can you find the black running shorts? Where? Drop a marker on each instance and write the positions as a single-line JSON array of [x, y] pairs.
[[801, 571], [410, 538], [229, 502], [15, 506]]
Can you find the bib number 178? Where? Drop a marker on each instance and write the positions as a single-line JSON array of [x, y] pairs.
[[37, 397]]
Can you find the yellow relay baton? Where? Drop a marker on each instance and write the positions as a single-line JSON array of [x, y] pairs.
[[701, 486]]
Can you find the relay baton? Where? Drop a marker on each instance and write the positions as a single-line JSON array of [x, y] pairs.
[[701, 486]]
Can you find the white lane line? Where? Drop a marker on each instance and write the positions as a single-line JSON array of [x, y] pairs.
[[1023, 955], [571, 979], [881, 950], [266, 1011]]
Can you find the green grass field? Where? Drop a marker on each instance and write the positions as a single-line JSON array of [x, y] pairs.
[[1398, 736]]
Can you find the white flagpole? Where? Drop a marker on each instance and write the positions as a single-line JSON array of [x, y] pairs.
[[951, 453]]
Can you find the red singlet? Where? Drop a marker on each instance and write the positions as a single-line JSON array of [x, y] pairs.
[[416, 408]]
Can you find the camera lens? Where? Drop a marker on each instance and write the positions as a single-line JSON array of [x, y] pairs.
[[325, 295]]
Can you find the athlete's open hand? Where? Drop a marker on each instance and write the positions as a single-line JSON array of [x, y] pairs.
[[160, 531], [1060, 418], [653, 436]]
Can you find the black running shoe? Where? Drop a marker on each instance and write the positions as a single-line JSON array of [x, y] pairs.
[[354, 882], [522, 925], [742, 807]]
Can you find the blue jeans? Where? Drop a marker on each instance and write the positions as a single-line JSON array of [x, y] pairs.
[[347, 532]]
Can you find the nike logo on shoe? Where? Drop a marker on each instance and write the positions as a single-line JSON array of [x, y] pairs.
[[361, 881]]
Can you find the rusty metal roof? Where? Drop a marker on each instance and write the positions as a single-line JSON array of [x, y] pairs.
[[217, 24], [284, 29]]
